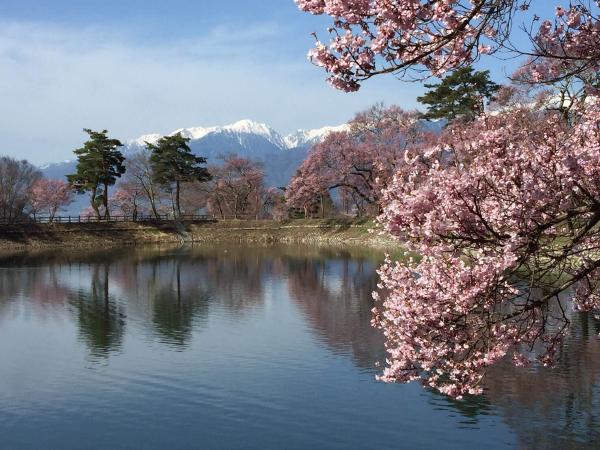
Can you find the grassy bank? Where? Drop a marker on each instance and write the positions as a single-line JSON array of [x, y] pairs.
[[94, 235]]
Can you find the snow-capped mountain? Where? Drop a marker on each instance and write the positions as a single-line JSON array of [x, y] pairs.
[[303, 138], [281, 155], [240, 130], [245, 132]]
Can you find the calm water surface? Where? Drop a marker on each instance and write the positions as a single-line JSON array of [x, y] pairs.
[[247, 348]]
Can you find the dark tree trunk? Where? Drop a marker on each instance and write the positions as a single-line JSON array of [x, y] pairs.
[[94, 204], [106, 294], [105, 202], [177, 199], [151, 198], [153, 206], [322, 207]]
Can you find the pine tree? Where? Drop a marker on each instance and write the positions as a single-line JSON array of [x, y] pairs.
[[99, 164], [174, 163], [461, 94]]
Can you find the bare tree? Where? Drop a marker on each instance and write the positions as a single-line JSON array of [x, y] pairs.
[[16, 182], [139, 173]]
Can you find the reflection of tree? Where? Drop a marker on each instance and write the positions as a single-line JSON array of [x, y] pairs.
[[41, 284], [175, 308], [172, 289], [13, 282], [335, 296], [470, 407], [555, 408], [237, 280], [48, 288], [101, 319]]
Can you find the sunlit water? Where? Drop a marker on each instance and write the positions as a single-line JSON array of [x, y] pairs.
[[246, 348]]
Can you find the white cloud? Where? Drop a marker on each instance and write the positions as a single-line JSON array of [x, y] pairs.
[[54, 82]]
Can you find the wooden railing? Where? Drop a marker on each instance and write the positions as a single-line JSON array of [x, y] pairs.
[[120, 218]]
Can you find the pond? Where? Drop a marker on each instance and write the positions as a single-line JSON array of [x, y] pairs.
[[247, 347]]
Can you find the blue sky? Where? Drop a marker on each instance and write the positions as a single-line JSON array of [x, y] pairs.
[[136, 67]]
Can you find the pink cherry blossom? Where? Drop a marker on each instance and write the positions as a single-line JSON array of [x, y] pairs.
[[49, 196], [360, 161], [371, 37], [504, 214]]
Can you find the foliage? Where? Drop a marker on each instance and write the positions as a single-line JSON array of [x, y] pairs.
[[127, 201], [237, 190], [139, 177], [275, 205], [360, 161], [461, 94], [99, 165], [173, 163], [504, 212]]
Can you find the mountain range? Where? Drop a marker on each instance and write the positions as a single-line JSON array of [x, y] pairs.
[[281, 155]]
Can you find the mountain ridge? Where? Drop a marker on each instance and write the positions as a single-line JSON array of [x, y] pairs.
[[299, 138]]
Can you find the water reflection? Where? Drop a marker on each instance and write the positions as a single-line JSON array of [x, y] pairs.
[[335, 296], [174, 289], [100, 317], [167, 298], [175, 307], [555, 408]]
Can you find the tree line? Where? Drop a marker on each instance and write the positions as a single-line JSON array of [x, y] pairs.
[[163, 178]]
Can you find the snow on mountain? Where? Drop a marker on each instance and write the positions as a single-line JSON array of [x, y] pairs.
[[141, 141], [58, 170], [303, 138], [47, 165], [242, 130], [258, 129]]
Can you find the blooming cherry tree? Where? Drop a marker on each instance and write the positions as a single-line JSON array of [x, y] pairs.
[[361, 160], [237, 188], [50, 196], [128, 200], [500, 219], [567, 46], [505, 218]]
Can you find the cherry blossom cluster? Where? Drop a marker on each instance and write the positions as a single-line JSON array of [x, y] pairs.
[[360, 161], [378, 36], [371, 37], [504, 216], [568, 45], [49, 196], [128, 200]]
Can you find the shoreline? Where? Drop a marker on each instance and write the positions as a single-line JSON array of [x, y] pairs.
[[325, 232]]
